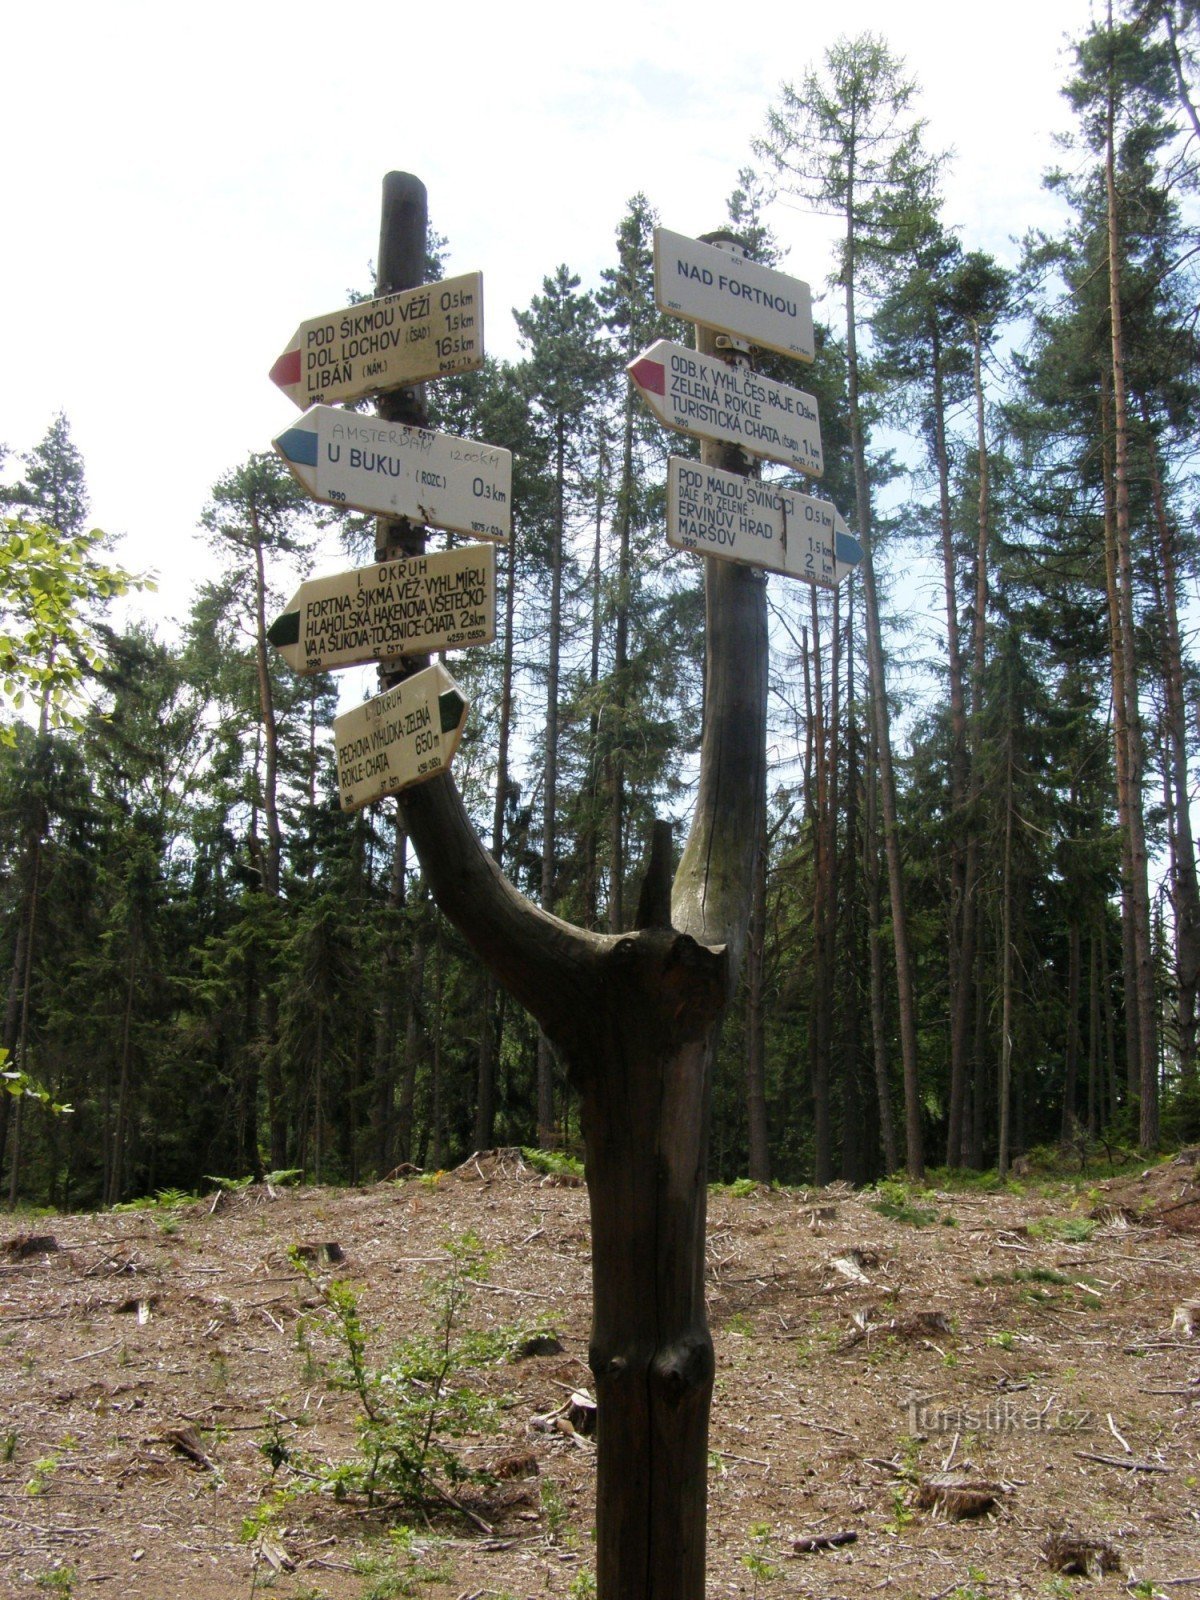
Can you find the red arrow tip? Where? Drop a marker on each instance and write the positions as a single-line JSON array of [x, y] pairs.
[[649, 375], [286, 370]]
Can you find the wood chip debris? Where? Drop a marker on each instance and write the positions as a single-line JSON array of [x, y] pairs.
[[576, 1417], [27, 1245], [956, 1496], [1079, 1557], [823, 1541], [328, 1252], [187, 1441]]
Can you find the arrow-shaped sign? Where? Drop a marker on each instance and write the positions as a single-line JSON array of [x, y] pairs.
[[399, 339], [350, 460], [396, 608], [704, 397], [403, 736], [725, 291], [717, 513]]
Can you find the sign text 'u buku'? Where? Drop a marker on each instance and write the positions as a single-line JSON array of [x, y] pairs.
[[704, 397], [408, 607], [725, 291], [382, 344], [346, 459], [404, 736], [717, 513]]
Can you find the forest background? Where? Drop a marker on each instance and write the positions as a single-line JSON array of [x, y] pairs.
[[977, 926]]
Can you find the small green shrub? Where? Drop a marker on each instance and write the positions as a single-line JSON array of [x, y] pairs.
[[895, 1201], [1071, 1230], [756, 1562], [421, 1399]]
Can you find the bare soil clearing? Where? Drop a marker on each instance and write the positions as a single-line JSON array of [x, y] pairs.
[[1026, 1351]]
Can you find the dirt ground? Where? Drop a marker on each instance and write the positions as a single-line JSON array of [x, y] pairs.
[[1027, 1342]]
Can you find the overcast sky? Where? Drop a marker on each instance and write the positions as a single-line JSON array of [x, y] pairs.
[[183, 185]]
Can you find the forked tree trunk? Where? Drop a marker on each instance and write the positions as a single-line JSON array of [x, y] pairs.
[[635, 1019]]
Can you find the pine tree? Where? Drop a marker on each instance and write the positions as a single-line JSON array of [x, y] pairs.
[[848, 142]]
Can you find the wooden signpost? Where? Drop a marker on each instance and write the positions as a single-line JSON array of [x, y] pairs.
[[703, 396], [399, 339], [634, 1014], [720, 290], [409, 603], [394, 608], [735, 518], [404, 736], [346, 459]]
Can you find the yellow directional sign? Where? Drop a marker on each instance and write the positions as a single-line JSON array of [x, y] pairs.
[[404, 736], [716, 513], [696, 394], [399, 339], [408, 607], [724, 291]]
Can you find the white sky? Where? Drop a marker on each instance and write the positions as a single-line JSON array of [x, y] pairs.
[[182, 186]]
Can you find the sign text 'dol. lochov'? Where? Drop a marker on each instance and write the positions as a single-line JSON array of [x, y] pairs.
[[382, 344]]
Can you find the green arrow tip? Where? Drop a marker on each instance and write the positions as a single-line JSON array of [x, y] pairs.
[[285, 629], [451, 709]]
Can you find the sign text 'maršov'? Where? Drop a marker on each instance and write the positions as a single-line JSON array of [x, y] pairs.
[[721, 514]]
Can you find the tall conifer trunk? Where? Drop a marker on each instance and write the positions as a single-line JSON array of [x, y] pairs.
[[1148, 1117], [913, 1134], [958, 1151], [1185, 889]]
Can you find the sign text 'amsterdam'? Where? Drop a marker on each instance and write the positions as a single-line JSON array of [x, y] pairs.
[[347, 459]]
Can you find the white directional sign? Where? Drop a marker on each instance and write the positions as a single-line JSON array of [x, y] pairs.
[[404, 338], [350, 460], [396, 608], [715, 287], [717, 513], [702, 396], [403, 736]]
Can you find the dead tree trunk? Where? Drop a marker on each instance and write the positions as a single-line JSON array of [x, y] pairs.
[[635, 1019]]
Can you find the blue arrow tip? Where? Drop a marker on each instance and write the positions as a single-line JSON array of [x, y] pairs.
[[847, 549], [299, 445]]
